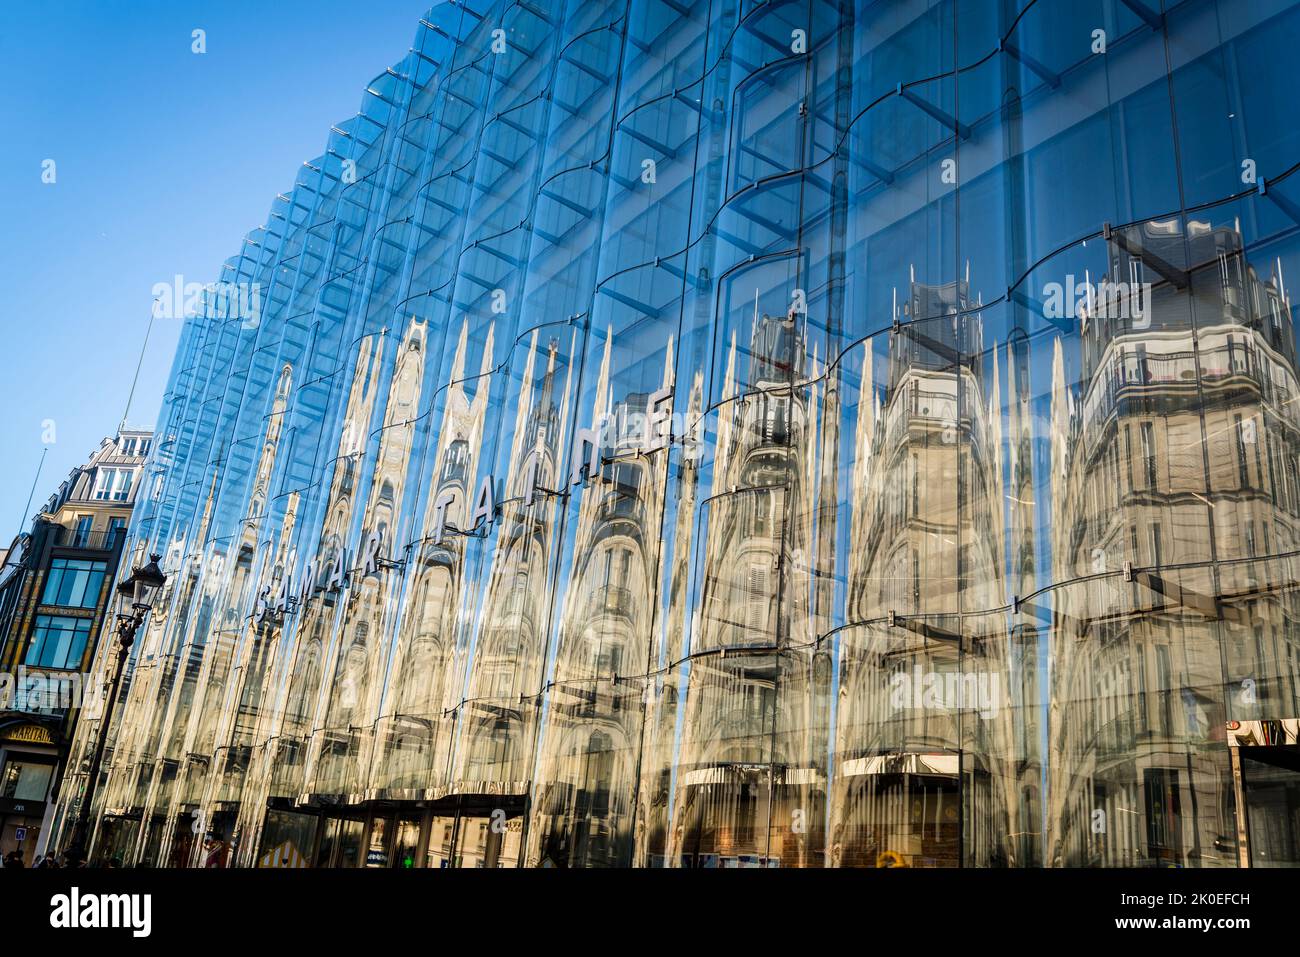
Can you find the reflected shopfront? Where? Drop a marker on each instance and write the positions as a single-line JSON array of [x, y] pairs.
[[454, 832], [679, 450]]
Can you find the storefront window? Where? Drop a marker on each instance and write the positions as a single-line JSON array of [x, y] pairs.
[[25, 780]]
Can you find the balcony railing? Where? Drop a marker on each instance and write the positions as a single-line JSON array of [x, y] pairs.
[[103, 541], [614, 600]]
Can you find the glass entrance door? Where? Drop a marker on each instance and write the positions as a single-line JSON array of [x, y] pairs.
[[489, 840], [455, 832], [476, 831], [381, 827], [340, 844], [1271, 780], [406, 841], [442, 837]]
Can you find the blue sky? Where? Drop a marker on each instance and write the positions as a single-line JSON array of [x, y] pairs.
[[164, 158]]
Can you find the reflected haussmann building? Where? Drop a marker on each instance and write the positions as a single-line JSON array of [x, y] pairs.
[[745, 435]]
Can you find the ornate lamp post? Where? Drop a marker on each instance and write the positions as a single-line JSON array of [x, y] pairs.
[[136, 596]]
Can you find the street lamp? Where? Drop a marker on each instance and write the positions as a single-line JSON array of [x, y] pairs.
[[135, 597]]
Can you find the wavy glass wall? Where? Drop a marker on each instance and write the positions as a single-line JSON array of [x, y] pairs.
[[743, 434]]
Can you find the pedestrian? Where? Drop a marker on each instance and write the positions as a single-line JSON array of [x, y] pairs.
[[14, 859], [49, 860]]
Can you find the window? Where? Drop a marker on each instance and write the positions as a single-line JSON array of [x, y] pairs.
[[1259, 461], [134, 445], [122, 485], [1142, 689], [114, 524], [104, 482], [1293, 670], [916, 484], [1164, 683], [58, 642], [114, 484], [756, 608], [1149, 455], [73, 582], [1128, 455], [1164, 814], [1243, 471], [81, 535], [26, 780]]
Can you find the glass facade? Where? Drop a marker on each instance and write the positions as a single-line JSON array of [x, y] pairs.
[[745, 434]]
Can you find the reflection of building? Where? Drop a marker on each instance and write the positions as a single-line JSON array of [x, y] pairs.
[[737, 780], [567, 509], [584, 813], [1140, 695], [907, 765], [55, 599]]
